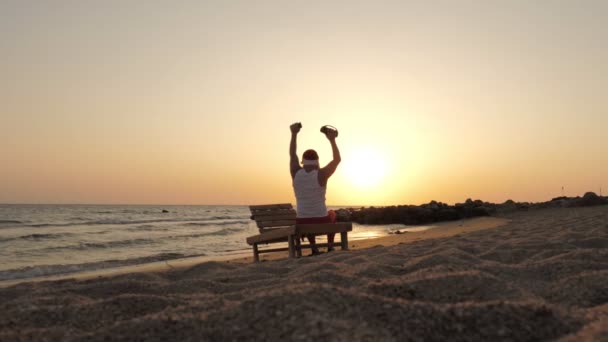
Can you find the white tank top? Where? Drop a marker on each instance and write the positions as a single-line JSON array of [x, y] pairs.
[[310, 196]]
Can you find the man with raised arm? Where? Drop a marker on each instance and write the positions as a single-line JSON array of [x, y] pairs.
[[310, 184]]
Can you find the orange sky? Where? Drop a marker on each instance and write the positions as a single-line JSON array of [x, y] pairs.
[[158, 103]]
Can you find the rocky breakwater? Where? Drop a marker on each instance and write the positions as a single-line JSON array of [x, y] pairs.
[[437, 211], [417, 214], [587, 200]]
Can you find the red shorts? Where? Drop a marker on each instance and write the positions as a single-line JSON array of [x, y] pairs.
[[330, 218]]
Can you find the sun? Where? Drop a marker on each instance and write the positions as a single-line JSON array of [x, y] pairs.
[[365, 167]]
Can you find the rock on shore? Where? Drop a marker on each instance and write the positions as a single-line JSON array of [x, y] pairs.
[[437, 211]]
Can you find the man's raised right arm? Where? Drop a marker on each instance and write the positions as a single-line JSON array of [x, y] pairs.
[[294, 162]]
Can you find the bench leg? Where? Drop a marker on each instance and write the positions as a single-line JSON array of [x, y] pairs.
[[292, 249], [256, 255], [344, 241], [298, 246]]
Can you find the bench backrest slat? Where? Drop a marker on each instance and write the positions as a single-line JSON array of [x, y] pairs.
[[273, 216], [270, 206], [265, 213]]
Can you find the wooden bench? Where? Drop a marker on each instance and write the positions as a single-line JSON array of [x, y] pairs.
[[277, 223]]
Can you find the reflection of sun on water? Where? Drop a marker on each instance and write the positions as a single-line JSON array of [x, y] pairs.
[[365, 167]]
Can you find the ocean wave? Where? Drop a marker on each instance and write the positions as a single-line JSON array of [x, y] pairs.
[[78, 218], [146, 227], [202, 221], [227, 217], [49, 270], [102, 245], [6, 222], [221, 232], [223, 223], [35, 237], [149, 227], [100, 232], [43, 225], [134, 242]]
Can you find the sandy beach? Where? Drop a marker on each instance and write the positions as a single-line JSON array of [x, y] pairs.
[[537, 275]]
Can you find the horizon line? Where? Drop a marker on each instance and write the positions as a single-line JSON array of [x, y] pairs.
[[245, 205]]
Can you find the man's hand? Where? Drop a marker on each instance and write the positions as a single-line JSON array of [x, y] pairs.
[[331, 134], [295, 128]]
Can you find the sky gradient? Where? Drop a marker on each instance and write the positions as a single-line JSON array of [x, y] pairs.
[[190, 103]]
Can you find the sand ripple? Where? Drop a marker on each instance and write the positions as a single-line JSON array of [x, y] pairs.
[[541, 277]]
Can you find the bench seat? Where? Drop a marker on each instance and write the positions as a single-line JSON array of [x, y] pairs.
[[276, 223]]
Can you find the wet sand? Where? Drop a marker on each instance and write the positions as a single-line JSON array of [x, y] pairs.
[[538, 275]]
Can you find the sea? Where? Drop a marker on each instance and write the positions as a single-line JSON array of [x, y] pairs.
[[45, 240]]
